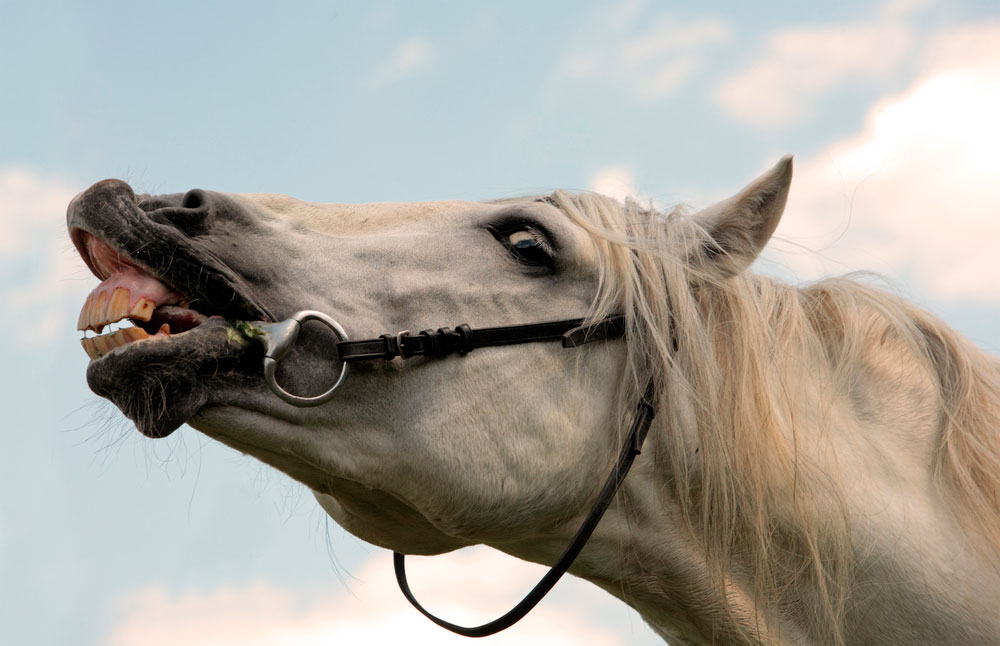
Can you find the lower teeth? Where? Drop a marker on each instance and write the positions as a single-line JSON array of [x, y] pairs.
[[99, 346]]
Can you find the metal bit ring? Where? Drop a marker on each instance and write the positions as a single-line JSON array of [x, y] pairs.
[[279, 339]]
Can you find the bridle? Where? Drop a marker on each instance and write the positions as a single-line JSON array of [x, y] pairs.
[[279, 338]]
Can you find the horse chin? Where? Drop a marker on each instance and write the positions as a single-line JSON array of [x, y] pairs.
[[161, 383]]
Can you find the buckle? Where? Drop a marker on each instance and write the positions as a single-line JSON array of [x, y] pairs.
[[399, 343]]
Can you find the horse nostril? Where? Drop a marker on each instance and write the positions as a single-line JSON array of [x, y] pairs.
[[194, 199], [192, 213]]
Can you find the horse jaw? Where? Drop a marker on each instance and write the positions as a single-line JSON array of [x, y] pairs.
[[420, 481]]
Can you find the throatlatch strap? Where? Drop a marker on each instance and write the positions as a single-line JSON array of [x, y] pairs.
[[633, 446]]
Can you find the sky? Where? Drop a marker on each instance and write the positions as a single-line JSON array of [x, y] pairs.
[[109, 538]]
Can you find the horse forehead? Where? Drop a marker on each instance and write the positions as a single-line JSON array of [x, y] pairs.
[[366, 218]]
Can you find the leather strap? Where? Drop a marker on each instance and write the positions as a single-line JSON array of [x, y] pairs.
[[645, 412], [464, 339]]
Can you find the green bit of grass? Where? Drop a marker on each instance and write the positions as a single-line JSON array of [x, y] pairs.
[[242, 332]]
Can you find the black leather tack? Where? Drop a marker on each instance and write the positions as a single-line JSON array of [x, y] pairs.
[[428, 344], [464, 333], [389, 341], [445, 339], [463, 339]]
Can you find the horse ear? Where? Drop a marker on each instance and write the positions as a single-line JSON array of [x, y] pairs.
[[740, 226]]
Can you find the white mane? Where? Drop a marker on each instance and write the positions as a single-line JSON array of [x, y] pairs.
[[754, 394]]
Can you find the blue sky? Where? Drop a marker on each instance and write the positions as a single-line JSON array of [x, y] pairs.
[[110, 538]]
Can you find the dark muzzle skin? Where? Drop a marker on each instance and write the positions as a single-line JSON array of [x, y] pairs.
[[143, 381], [163, 234], [161, 381]]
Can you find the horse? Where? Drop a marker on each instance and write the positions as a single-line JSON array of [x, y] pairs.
[[823, 467]]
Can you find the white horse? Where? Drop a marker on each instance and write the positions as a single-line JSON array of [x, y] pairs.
[[824, 467]]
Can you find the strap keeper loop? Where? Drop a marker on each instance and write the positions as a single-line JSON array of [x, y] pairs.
[[430, 345], [390, 348], [444, 340], [464, 345]]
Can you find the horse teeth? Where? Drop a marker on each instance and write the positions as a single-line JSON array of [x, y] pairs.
[[90, 348], [102, 345], [134, 334], [119, 338], [98, 346], [118, 305], [142, 310], [102, 308], [99, 311], [114, 341], [84, 321]]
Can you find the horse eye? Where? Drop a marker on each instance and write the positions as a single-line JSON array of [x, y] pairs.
[[528, 247], [523, 240]]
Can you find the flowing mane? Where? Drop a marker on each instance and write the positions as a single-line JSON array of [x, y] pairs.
[[754, 375]]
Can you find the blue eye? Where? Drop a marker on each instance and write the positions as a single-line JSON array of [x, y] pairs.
[[523, 240], [527, 246]]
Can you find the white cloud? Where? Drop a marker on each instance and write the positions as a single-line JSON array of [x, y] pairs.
[[409, 57], [41, 275], [650, 57], [801, 64], [29, 205], [614, 181], [916, 192], [471, 586]]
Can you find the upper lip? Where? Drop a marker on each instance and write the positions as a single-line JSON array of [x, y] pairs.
[[112, 213]]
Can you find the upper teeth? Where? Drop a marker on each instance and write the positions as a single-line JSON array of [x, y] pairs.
[[100, 310]]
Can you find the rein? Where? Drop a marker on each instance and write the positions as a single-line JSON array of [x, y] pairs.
[[279, 338]]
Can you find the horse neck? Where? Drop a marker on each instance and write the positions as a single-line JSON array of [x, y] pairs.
[[808, 471]]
